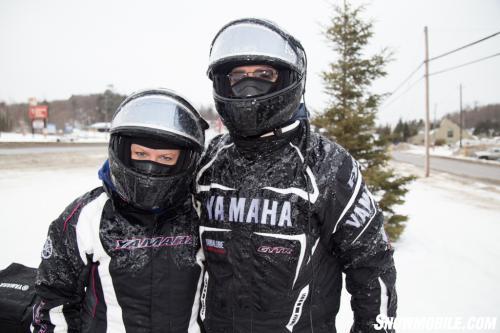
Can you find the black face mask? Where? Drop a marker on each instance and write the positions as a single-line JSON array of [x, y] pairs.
[[152, 168], [249, 87]]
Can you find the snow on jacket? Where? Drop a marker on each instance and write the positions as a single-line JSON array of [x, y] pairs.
[[277, 236], [109, 268]]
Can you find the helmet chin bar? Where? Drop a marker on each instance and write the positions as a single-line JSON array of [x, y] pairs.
[[254, 116], [250, 87]]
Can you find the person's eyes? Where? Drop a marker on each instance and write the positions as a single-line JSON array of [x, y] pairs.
[[237, 76], [265, 74], [140, 154], [166, 158]]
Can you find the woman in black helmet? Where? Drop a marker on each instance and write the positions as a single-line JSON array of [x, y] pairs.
[[284, 211], [123, 257]]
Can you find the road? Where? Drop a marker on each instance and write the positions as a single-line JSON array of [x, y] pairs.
[[16, 156], [484, 171]]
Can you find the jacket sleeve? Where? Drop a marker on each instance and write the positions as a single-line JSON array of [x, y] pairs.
[[60, 281], [356, 235]]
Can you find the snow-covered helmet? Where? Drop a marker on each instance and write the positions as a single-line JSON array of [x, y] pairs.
[[157, 119], [257, 42]]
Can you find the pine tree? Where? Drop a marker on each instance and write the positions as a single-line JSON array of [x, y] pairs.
[[5, 123], [398, 131], [350, 117]]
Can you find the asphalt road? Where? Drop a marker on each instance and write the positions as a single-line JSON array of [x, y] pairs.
[[16, 156], [19, 155], [471, 169]]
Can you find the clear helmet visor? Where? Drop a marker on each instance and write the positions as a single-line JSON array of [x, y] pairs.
[[255, 39], [159, 114]]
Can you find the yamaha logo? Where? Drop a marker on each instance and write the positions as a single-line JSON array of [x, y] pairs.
[[47, 249], [22, 287]]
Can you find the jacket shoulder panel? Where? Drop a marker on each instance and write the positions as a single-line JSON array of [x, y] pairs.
[[326, 159], [69, 217], [88, 227]]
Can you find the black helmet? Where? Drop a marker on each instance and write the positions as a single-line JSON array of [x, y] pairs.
[[257, 42], [157, 119]]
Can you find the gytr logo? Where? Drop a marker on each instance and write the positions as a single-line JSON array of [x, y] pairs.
[[274, 249], [139, 243]]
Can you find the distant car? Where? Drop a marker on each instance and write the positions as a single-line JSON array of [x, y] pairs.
[[67, 138], [490, 154]]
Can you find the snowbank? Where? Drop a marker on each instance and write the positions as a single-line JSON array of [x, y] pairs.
[[442, 151], [77, 136], [447, 259]]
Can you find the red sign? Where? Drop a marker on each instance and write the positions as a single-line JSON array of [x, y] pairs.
[[38, 112]]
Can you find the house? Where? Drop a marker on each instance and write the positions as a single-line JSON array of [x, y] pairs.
[[447, 132]]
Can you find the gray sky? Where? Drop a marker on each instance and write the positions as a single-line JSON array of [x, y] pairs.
[[55, 48]]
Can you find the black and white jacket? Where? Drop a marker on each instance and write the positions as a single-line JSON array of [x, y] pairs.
[[109, 268], [277, 236]]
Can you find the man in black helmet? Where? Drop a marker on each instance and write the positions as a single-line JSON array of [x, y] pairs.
[[123, 257], [283, 211]]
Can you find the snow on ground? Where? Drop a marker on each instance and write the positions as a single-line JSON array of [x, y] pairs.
[[33, 193], [441, 151], [436, 151], [447, 259], [79, 136]]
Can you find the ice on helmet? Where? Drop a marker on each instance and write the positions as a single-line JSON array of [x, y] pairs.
[[254, 39], [161, 113]]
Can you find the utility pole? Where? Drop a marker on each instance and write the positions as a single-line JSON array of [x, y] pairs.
[[427, 159], [461, 116], [434, 122]]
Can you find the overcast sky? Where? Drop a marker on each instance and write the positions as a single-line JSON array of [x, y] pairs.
[[52, 49]]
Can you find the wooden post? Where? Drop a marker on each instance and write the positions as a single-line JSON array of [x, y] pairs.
[[461, 116], [427, 159]]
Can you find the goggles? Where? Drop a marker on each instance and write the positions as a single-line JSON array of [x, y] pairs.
[[265, 74]]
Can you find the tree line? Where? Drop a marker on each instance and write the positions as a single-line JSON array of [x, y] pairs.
[[78, 111]]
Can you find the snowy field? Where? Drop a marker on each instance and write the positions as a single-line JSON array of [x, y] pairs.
[[448, 259], [453, 152], [77, 136]]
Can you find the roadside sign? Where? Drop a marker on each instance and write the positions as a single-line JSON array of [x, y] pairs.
[[38, 124], [38, 112]]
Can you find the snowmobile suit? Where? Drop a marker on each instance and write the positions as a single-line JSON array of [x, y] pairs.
[[277, 236], [108, 267]]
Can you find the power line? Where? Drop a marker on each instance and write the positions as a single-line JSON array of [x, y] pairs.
[[406, 79], [465, 64], [440, 56], [385, 106], [445, 70], [465, 46]]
